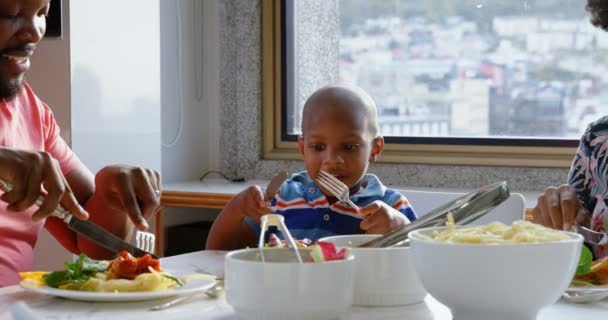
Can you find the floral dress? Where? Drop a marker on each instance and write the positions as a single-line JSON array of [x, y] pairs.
[[589, 176]]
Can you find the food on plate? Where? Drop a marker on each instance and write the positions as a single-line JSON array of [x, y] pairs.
[[497, 232], [327, 251], [275, 242], [596, 275], [321, 251], [123, 274]]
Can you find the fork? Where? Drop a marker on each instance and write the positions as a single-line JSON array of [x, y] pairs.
[[145, 241], [336, 187], [214, 292]]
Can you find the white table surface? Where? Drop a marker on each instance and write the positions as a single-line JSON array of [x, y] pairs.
[[46, 307]]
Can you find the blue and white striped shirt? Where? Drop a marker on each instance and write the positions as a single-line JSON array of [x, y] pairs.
[[308, 213]]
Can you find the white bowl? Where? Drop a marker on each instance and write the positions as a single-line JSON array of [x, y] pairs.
[[495, 281], [383, 276], [288, 289]]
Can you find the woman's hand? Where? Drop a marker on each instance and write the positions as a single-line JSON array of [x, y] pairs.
[[132, 190], [379, 218], [33, 174], [559, 208]]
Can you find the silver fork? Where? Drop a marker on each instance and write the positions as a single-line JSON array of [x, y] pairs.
[[336, 187], [214, 292], [145, 241]]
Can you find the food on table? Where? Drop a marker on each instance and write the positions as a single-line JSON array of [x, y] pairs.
[[327, 251], [123, 274], [497, 232], [275, 242], [597, 274], [321, 251]]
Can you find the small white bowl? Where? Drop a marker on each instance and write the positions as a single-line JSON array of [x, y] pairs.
[[495, 281], [383, 276], [285, 289]]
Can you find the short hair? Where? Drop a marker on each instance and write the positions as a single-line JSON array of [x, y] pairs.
[[344, 93], [599, 13]]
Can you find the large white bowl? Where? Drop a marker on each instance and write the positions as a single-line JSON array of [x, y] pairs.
[[383, 276], [495, 281], [288, 289]]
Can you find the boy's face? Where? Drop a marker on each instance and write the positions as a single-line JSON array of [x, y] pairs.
[[338, 141]]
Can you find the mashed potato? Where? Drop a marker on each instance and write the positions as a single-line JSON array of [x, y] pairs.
[[497, 232]]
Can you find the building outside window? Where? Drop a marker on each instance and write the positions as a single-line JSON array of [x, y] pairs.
[[483, 72]]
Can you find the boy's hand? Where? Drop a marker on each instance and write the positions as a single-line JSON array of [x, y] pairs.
[[253, 203], [379, 217]]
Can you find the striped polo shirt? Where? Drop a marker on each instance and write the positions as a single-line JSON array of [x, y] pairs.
[[308, 213]]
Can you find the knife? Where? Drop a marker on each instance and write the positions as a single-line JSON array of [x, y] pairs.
[[273, 186], [88, 229], [275, 183]]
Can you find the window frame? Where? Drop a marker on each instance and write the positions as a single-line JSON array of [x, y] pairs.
[[276, 145]]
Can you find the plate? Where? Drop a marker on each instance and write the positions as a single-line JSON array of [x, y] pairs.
[[580, 289], [191, 286]]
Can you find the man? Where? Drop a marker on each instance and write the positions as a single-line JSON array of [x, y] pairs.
[[36, 160]]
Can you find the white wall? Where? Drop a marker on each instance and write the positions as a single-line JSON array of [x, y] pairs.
[[190, 64], [115, 76], [190, 82]]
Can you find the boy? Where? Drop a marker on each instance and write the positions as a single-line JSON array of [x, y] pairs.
[[339, 135]]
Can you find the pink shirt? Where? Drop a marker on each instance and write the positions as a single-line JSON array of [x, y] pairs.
[[26, 123]]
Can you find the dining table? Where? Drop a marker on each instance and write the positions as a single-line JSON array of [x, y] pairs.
[[41, 306]]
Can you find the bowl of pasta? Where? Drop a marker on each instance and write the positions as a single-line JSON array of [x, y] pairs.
[[495, 271], [383, 276], [280, 287]]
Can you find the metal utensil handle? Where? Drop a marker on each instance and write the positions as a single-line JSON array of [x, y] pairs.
[[464, 209], [591, 236], [278, 221], [59, 212], [426, 220]]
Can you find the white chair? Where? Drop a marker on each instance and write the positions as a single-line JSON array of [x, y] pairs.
[[510, 210]]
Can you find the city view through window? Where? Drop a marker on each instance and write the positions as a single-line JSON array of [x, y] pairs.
[[476, 68], [484, 68]]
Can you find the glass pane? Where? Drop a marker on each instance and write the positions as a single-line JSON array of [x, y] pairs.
[[445, 68]]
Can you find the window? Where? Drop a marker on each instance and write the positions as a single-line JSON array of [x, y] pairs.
[[484, 82]]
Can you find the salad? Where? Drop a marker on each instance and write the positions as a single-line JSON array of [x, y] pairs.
[[591, 273]]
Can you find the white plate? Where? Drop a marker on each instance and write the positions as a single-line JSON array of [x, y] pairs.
[[191, 286], [573, 289]]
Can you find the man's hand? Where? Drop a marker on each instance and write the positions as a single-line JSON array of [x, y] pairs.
[[133, 190], [559, 208], [379, 218], [33, 174]]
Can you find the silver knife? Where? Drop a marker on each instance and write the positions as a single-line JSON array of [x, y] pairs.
[[273, 186], [88, 229], [275, 183]]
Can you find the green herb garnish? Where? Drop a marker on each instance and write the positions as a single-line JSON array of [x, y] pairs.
[[80, 270], [179, 282], [584, 263]]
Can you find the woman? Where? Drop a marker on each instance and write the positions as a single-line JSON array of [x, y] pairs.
[[584, 200]]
